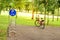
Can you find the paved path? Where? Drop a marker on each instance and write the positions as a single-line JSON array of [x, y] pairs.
[[21, 32]]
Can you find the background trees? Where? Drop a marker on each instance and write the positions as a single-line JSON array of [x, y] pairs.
[[38, 5]]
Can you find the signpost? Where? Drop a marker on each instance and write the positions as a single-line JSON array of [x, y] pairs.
[[12, 14], [11, 31]]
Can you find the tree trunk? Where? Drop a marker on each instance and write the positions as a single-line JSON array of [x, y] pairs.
[[58, 14], [6, 8], [15, 19], [33, 14], [41, 12], [0, 12], [45, 14], [28, 10], [48, 18], [53, 15], [19, 8], [53, 18]]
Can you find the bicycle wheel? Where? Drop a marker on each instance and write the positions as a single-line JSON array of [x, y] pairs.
[[37, 23], [42, 26]]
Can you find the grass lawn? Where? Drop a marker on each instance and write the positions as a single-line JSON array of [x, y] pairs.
[[29, 21], [54, 23], [3, 27], [25, 21]]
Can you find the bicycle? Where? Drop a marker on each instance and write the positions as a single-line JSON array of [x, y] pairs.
[[40, 23]]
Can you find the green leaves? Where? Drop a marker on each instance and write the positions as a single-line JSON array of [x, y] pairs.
[[58, 3], [51, 5]]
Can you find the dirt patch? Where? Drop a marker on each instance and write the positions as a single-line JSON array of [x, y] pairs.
[[35, 33]]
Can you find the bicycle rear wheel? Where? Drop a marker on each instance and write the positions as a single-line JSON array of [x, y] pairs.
[[37, 23], [42, 26]]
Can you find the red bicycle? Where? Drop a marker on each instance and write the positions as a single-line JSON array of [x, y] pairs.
[[40, 23]]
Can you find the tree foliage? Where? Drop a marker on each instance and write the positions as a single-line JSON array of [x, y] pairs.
[[38, 4]]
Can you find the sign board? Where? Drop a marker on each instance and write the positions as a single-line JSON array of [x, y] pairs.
[[12, 12]]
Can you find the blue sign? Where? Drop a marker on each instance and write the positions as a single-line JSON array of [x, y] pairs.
[[12, 12]]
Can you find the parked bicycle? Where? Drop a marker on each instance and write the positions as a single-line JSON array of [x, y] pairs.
[[40, 23]]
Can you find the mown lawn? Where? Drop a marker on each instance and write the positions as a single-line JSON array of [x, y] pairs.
[[25, 21], [54, 23], [29, 21], [3, 27]]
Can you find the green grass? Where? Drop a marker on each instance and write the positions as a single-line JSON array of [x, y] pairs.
[[54, 23], [29, 21], [3, 27], [3, 33], [25, 21]]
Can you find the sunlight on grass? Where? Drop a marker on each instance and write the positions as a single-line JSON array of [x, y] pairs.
[[55, 22], [3, 27], [25, 21], [29, 21]]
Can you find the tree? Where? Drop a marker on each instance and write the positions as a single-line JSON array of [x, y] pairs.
[[38, 5], [27, 6], [51, 7], [53, 4], [58, 4], [45, 4], [34, 7], [1, 5], [48, 12]]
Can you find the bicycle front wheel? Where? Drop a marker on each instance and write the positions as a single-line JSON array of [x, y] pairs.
[[37, 23]]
